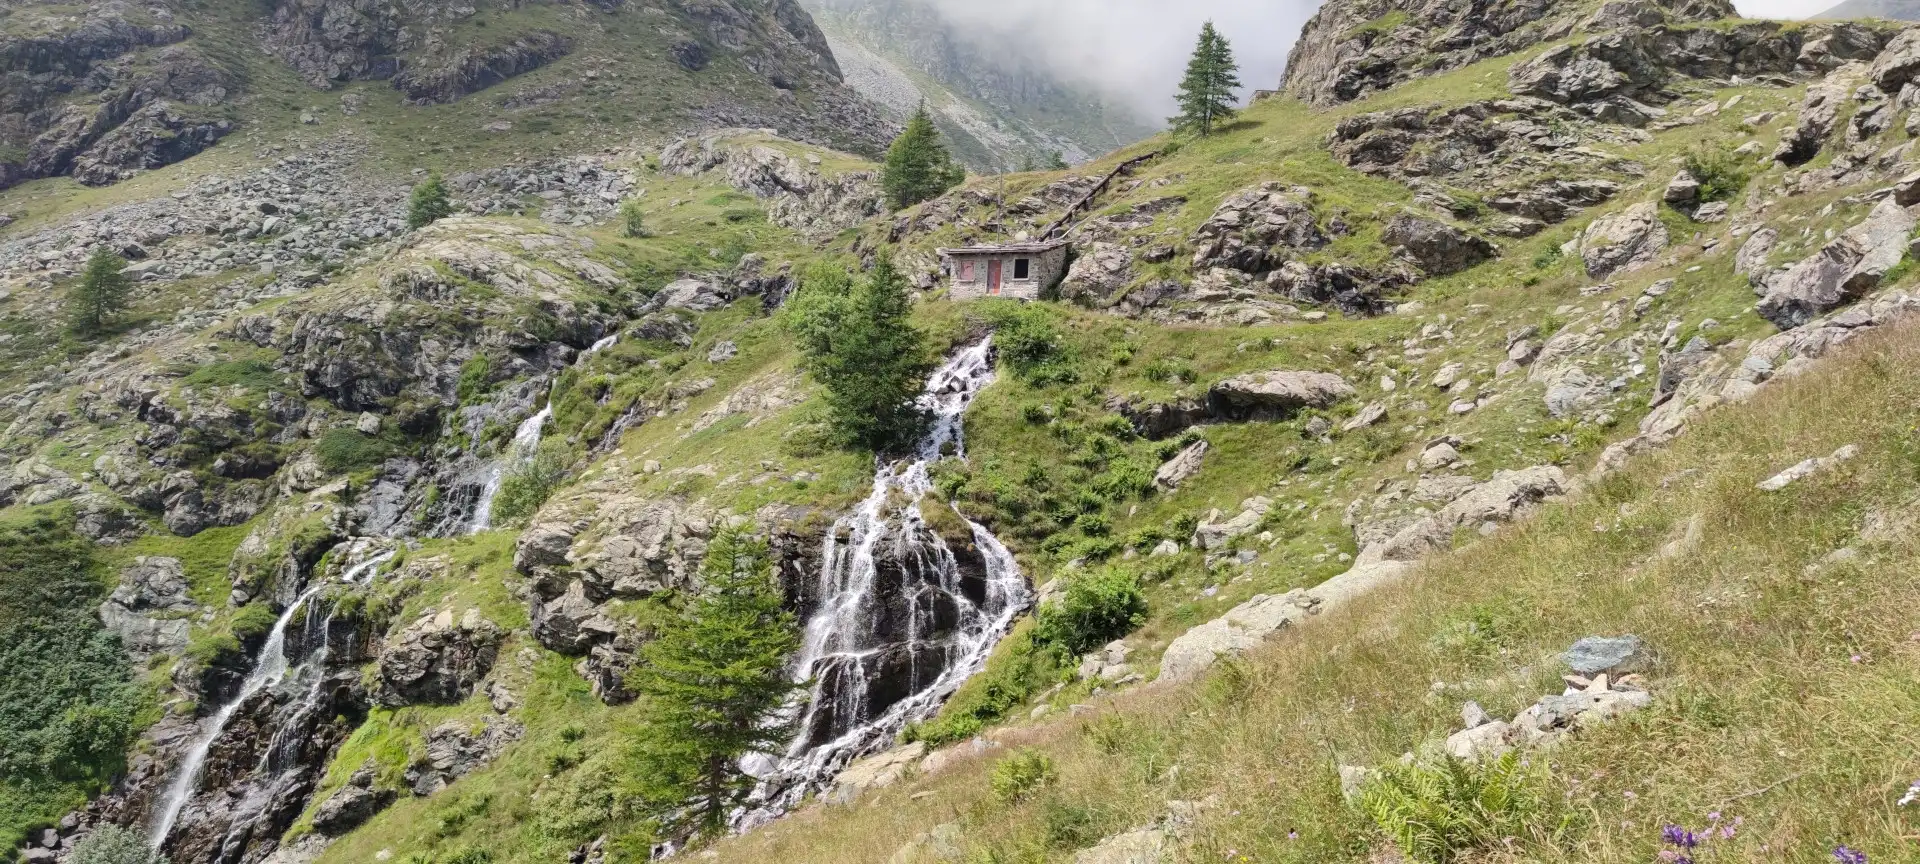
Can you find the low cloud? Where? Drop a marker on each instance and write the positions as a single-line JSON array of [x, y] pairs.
[[1135, 50]]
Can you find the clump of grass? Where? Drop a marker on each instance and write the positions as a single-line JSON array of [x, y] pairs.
[[1021, 774], [341, 450], [1720, 172], [1439, 811]]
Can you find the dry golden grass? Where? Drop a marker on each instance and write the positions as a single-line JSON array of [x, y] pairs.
[[1787, 689]]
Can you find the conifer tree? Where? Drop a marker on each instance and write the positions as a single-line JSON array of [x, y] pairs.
[[714, 684], [1206, 93], [102, 293], [430, 202], [918, 166], [859, 343]]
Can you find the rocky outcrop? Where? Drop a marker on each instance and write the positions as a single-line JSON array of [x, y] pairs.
[[1506, 497], [1277, 394], [1252, 623], [1100, 273], [1435, 247], [1819, 111], [352, 805], [1842, 272], [1624, 242], [436, 662], [801, 196], [151, 609], [1352, 48], [1255, 229], [471, 69], [153, 137], [458, 748], [333, 41]]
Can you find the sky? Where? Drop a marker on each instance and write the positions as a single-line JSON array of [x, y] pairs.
[[1134, 50]]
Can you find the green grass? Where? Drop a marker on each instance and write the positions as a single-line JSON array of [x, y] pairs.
[[1780, 688]]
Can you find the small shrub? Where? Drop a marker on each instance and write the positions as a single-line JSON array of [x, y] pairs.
[[526, 488], [633, 220], [1721, 173], [475, 379], [252, 621], [1021, 774], [341, 450], [1438, 812], [112, 844], [1036, 414], [1098, 607], [1548, 256], [1030, 344]]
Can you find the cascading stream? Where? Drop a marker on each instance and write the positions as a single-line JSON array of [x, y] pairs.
[[900, 622], [269, 670], [526, 442]]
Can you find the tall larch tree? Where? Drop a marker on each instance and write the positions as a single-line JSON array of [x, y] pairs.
[[1206, 93], [715, 684], [918, 166]]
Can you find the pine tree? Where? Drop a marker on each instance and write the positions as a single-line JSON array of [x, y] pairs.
[[715, 683], [858, 342], [102, 293], [918, 166], [1055, 161], [430, 203], [1206, 93], [633, 220]]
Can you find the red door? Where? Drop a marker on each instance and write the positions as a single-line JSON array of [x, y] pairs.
[[993, 276]]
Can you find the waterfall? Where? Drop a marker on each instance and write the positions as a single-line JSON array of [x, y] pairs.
[[526, 442], [269, 670], [932, 631]]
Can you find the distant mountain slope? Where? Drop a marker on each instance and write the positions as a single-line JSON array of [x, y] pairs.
[[999, 109], [1892, 10]]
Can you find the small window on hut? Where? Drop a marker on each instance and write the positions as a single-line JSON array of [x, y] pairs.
[[965, 271], [1023, 268]]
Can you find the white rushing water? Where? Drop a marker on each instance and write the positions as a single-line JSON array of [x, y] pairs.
[[268, 670], [841, 647], [526, 442]]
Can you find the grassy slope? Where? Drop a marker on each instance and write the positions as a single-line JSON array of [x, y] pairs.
[[1781, 685], [1276, 140]]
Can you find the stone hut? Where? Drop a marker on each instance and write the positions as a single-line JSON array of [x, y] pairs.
[[1018, 270]]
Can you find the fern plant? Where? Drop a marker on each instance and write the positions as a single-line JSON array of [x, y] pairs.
[[1435, 811]]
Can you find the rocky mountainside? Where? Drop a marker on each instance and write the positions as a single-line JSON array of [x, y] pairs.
[[1891, 10], [1503, 328], [118, 88], [999, 107]]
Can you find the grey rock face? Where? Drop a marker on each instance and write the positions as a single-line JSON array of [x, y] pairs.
[[1181, 466], [1624, 242], [435, 661], [1436, 247], [455, 749], [1818, 113], [150, 608], [1277, 394], [1842, 271], [475, 69], [1254, 228], [800, 196], [1613, 656], [352, 806], [1098, 274]]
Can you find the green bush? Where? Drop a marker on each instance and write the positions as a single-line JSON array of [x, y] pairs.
[[112, 844], [1098, 607], [1437, 812], [341, 450], [1030, 345], [527, 487], [1722, 174], [633, 220], [1016, 671], [68, 704], [252, 621], [1020, 774], [475, 379]]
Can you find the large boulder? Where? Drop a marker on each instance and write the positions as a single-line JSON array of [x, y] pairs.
[[151, 608], [1508, 496], [1435, 247], [1100, 272], [1254, 229], [570, 623], [1624, 242], [1182, 466], [1842, 271], [1818, 114], [456, 748], [1278, 394], [352, 805], [436, 661]]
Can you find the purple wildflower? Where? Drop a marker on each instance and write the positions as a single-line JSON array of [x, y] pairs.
[[1849, 856], [1674, 835]]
